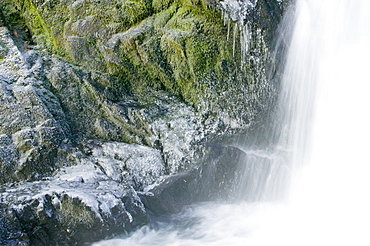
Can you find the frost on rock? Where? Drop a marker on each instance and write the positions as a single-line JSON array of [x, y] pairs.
[[180, 135], [31, 118], [55, 175], [238, 10], [138, 165], [63, 196], [81, 202]]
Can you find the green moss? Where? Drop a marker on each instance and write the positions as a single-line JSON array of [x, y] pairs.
[[9, 13], [12, 19], [74, 213], [195, 44], [135, 11], [40, 30], [172, 45], [3, 51], [164, 16], [202, 54], [159, 5]]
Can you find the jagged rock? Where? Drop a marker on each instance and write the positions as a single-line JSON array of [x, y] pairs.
[[70, 103], [85, 202], [70, 209], [31, 119], [81, 190]]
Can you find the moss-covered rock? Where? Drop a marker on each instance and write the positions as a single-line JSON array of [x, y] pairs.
[[47, 103], [164, 75], [181, 46]]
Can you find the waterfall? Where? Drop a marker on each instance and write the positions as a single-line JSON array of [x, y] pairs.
[[268, 166], [319, 137], [331, 194]]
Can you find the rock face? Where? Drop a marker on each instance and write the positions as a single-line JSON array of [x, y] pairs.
[[182, 47], [105, 107]]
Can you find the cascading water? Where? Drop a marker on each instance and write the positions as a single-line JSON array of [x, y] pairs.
[[329, 202], [268, 164], [331, 196]]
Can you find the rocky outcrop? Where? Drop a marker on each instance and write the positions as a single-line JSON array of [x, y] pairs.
[[57, 185], [105, 106], [74, 208], [30, 131], [183, 47]]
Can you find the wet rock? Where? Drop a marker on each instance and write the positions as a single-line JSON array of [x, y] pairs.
[[139, 166], [31, 121], [63, 182], [72, 212], [217, 179], [171, 195], [151, 82]]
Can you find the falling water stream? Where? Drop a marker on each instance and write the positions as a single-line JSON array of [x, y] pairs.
[[323, 146], [331, 198]]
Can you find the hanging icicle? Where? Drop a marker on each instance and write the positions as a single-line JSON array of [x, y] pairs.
[[237, 11]]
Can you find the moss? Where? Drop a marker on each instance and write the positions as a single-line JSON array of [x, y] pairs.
[[9, 13], [159, 5], [3, 51], [194, 45], [202, 54], [125, 12], [172, 45], [41, 31], [12, 19], [74, 213], [135, 11], [164, 16]]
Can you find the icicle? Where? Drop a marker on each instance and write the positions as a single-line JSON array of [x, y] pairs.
[[234, 37], [237, 12], [228, 29], [244, 43]]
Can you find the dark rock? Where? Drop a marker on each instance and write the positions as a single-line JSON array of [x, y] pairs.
[[172, 195], [214, 180]]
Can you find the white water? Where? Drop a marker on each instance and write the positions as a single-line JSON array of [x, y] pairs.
[[332, 196], [328, 61]]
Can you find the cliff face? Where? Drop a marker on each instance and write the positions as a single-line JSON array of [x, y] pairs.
[[100, 100]]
